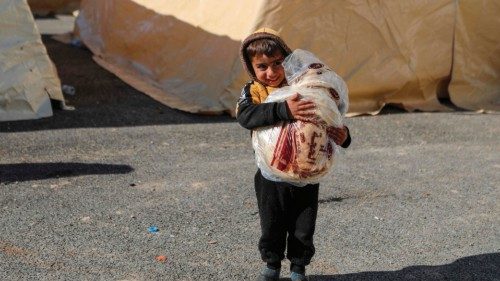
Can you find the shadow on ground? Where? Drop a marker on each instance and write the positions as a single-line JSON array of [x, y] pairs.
[[101, 99], [38, 171], [485, 267]]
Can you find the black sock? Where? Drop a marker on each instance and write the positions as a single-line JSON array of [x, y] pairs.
[[274, 265], [298, 268]]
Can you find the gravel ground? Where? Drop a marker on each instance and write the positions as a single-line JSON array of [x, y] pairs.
[[415, 197]]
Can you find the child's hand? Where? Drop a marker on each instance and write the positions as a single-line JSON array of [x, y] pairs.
[[338, 135], [301, 109]]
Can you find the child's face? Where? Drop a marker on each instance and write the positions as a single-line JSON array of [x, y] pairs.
[[269, 70]]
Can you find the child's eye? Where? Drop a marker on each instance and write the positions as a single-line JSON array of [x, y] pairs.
[[261, 67], [278, 62]]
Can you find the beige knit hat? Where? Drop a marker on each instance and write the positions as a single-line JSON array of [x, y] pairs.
[[263, 33]]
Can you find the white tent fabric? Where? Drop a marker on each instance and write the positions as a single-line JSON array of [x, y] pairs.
[[185, 53], [28, 78]]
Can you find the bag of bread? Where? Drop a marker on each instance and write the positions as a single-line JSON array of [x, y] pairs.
[[300, 152]]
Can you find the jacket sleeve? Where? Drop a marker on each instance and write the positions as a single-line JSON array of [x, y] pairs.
[[251, 115]]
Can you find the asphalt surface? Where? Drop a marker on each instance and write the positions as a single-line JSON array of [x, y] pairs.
[[415, 197]]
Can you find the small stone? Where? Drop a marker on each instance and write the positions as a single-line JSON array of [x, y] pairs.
[[161, 258]]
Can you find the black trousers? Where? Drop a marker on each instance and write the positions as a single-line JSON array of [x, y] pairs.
[[287, 219]]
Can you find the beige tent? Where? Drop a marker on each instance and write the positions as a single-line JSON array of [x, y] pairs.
[[475, 80], [185, 53], [28, 78]]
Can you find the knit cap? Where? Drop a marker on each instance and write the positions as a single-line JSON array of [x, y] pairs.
[[263, 33]]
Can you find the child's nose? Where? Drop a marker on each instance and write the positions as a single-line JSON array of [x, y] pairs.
[[271, 71]]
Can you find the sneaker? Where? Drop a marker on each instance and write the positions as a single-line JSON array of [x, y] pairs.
[[268, 274], [294, 276]]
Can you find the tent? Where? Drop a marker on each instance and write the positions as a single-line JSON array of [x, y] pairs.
[[28, 78], [475, 79], [408, 53]]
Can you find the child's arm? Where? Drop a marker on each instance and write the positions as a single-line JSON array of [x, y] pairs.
[[300, 109], [340, 136], [252, 115]]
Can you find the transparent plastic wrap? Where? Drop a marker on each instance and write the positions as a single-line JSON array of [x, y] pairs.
[[300, 152]]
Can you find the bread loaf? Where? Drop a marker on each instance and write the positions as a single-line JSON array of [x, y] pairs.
[[301, 152]]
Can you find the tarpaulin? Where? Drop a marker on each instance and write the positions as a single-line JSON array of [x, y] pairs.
[[475, 80], [28, 78], [185, 53]]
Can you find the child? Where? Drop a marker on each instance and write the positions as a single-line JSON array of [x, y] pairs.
[[284, 209]]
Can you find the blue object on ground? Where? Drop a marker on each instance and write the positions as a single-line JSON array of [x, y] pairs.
[[153, 229]]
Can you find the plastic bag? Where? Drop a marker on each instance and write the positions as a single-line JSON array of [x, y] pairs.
[[299, 152]]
